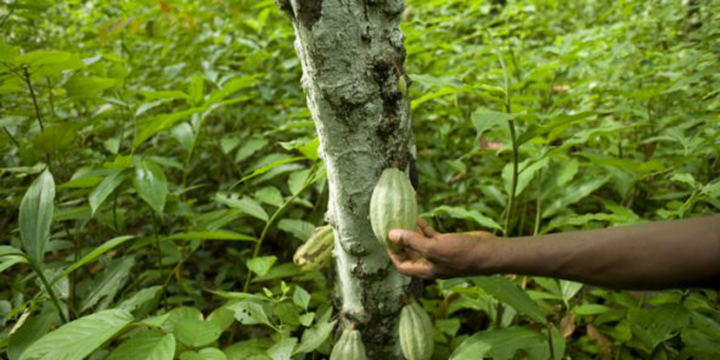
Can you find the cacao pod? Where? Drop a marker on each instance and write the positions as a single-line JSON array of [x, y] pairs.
[[392, 206], [349, 347], [416, 333], [316, 252]]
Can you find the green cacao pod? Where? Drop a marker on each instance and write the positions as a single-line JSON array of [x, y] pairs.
[[316, 252], [349, 347], [416, 333], [392, 206]]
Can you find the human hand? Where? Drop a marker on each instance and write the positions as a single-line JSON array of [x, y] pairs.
[[427, 254]]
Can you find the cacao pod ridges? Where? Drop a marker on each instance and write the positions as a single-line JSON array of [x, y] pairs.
[[416, 333], [392, 206], [349, 347], [316, 252]]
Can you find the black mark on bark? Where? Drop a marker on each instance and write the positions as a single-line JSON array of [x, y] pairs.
[[309, 12], [285, 6]]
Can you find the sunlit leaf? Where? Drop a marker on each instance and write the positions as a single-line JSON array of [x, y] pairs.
[[79, 338], [36, 215]]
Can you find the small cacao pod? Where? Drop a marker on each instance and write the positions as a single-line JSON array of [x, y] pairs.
[[349, 347], [316, 252], [416, 333], [392, 206]]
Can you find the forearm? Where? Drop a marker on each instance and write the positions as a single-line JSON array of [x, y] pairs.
[[683, 253]]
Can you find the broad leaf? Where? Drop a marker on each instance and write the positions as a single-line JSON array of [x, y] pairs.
[[79, 338], [197, 333], [146, 345], [502, 344], [98, 251], [151, 184], [462, 213], [507, 292], [36, 215], [104, 189], [261, 265]]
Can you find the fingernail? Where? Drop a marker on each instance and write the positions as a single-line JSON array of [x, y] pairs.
[[394, 234]]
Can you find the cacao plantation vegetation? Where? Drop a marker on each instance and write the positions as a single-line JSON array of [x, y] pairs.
[[187, 179]]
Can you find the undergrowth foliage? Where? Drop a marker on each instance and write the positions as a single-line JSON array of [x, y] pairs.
[[159, 169]]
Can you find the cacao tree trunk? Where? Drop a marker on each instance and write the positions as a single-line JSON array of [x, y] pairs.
[[352, 56]]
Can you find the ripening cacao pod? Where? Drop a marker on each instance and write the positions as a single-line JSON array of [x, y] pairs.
[[349, 347], [392, 206], [316, 252], [416, 333]]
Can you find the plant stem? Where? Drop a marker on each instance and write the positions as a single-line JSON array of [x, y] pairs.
[[258, 244], [538, 205], [550, 342], [26, 77], [159, 256], [513, 139], [12, 138], [49, 290]]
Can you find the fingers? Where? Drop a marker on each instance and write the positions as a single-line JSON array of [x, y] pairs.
[[425, 228], [411, 239], [417, 268]]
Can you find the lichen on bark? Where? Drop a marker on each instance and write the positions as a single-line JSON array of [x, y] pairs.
[[352, 55]]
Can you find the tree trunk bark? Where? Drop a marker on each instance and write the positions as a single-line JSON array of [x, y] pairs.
[[352, 56]]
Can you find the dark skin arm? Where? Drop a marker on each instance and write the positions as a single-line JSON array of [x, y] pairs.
[[671, 254]]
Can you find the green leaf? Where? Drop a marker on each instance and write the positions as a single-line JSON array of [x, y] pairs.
[[79, 338], [501, 344], [283, 349], [507, 292], [462, 213], [55, 138], [204, 354], [32, 330], [88, 86], [268, 167], [313, 337], [590, 309], [222, 316], [209, 235], [95, 253], [250, 147], [36, 215], [655, 325], [270, 195], [178, 314], [261, 265], [232, 87], [196, 90], [105, 188], [301, 297], [250, 313], [197, 333], [569, 289], [39, 58], [108, 283], [139, 299], [278, 272], [7, 52], [146, 345], [151, 184], [82, 182], [152, 127], [572, 194], [297, 181], [298, 228], [486, 120], [246, 205], [526, 173]]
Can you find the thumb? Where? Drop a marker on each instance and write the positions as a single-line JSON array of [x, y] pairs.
[[411, 239]]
